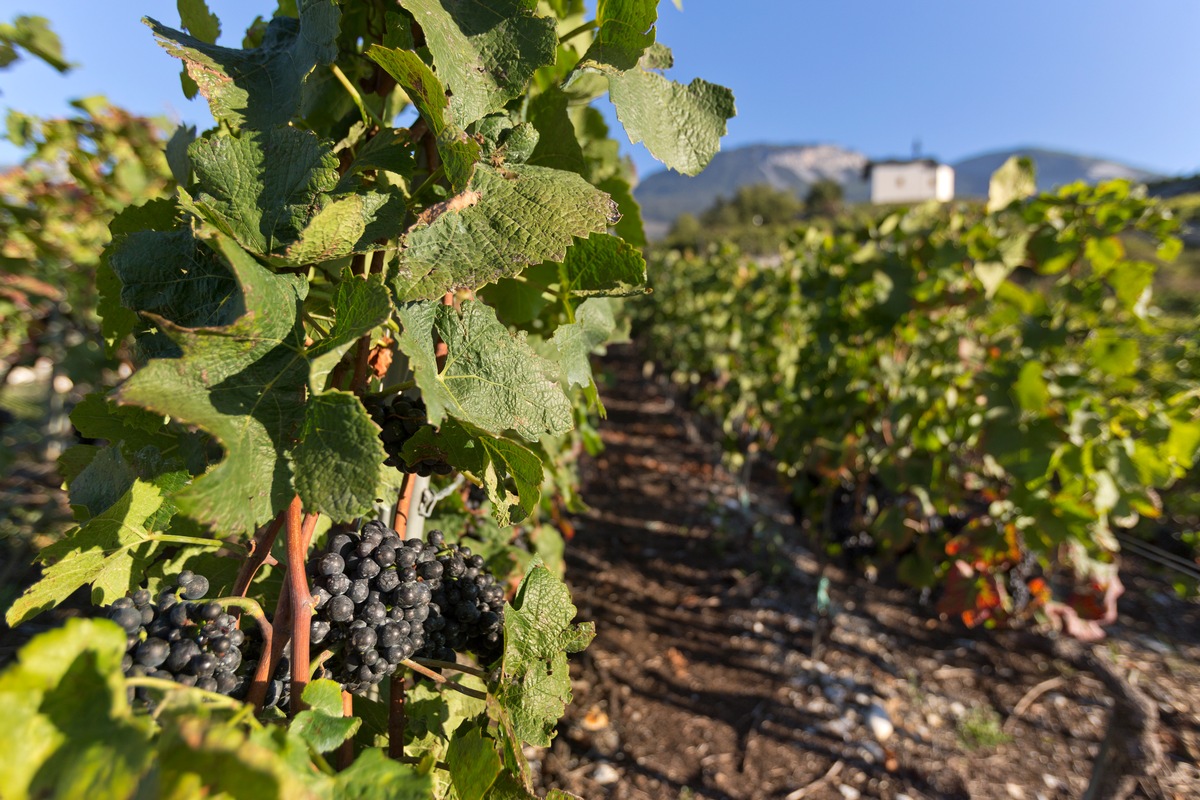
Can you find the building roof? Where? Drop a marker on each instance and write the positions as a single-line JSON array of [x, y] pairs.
[[929, 162]]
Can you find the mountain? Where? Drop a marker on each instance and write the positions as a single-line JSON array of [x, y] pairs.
[[1054, 168], [666, 195]]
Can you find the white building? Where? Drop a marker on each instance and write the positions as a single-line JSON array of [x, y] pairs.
[[910, 181]]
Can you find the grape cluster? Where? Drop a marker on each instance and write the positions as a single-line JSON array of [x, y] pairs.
[[400, 418], [180, 639], [380, 600]]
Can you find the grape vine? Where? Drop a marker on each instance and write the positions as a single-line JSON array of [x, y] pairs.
[[334, 323]]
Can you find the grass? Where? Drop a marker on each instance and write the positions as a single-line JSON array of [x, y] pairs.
[[980, 729]]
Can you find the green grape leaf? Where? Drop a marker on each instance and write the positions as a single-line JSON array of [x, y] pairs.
[[1015, 180], [68, 729], [34, 35], [286, 213], [198, 757], [491, 377], [198, 20], [244, 384], [459, 152], [473, 762], [176, 277], [360, 305], [388, 150], [625, 29], [1030, 388], [177, 156], [261, 87], [538, 633], [491, 459], [517, 217], [374, 776], [557, 147], [98, 417], [338, 463], [630, 227], [485, 53], [604, 266], [117, 321], [105, 552], [322, 724], [101, 484], [680, 125], [1113, 353], [595, 324]]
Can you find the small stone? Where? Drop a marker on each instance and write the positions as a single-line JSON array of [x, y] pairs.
[[933, 720], [605, 774], [957, 709], [1014, 791], [849, 792], [879, 722], [1051, 781]]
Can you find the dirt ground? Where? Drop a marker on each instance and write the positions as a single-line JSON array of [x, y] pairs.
[[702, 681]]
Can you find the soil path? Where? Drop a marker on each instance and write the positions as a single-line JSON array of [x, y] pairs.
[[702, 681]]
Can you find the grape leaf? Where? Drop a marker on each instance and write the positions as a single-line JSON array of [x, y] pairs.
[[286, 212], [485, 53], [491, 459], [104, 552], [625, 29], [680, 125], [604, 266], [1016, 179], [473, 762], [374, 776], [459, 152], [68, 730], [262, 87], [630, 227], [594, 325], [557, 147], [198, 20], [538, 633], [174, 276], [521, 216], [322, 724], [244, 384], [177, 156], [491, 377], [359, 305], [338, 463], [34, 35]]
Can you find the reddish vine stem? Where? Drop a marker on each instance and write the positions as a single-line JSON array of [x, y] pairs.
[[403, 506], [345, 756], [260, 549], [258, 686], [397, 716], [301, 601], [270, 654]]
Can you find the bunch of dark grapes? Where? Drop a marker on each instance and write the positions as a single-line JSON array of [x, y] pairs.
[[380, 600], [371, 603], [179, 638], [467, 610], [400, 418]]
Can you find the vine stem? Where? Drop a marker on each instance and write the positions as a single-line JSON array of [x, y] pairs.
[[433, 663], [584, 28], [301, 601], [396, 388], [260, 548], [397, 716], [345, 756], [404, 505], [442, 680]]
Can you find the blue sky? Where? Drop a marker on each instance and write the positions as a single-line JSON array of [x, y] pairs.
[[1111, 78]]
